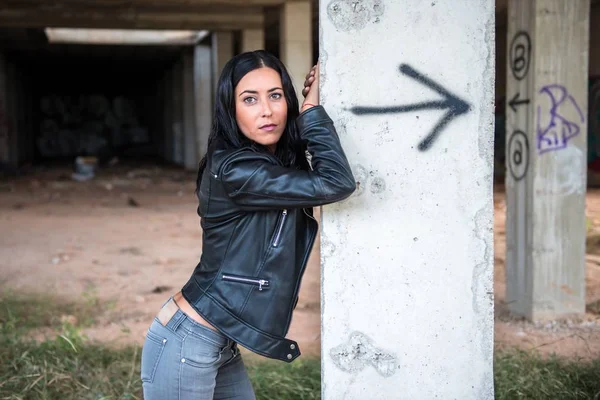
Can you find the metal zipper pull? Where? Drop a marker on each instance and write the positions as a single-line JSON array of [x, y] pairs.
[[284, 214], [261, 283]]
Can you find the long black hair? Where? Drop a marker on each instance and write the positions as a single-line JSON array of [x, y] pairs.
[[290, 148]]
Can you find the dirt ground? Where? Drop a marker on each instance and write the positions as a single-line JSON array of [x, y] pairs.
[[131, 237]]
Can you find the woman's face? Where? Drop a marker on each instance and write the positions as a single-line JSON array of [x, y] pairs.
[[260, 107]]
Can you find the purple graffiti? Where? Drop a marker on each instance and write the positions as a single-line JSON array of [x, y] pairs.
[[559, 130]]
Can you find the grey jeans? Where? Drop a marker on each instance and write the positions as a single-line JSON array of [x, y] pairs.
[[183, 360]]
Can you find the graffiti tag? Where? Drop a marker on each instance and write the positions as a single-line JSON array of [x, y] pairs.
[[556, 133], [520, 55], [518, 155]]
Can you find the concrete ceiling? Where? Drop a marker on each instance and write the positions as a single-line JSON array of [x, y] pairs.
[[154, 14], [135, 14], [144, 14]]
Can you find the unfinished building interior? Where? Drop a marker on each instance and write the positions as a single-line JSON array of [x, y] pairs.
[[123, 80], [114, 94]]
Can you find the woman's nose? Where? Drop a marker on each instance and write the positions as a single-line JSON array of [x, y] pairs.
[[267, 109]]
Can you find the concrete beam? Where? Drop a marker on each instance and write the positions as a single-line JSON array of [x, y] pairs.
[[77, 16], [65, 4]]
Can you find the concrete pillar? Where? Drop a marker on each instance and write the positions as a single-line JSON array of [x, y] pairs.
[[178, 157], [296, 40], [190, 147], [4, 113], [407, 260], [10, 99], [548, 42], [168, 115], [222, 47], [203, 97], [253, 39]]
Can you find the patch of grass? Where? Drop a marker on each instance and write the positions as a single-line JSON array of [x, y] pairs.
[[43, 311], [300, 380], [594, 307], [592, 243], [522, 375], [67, 367]]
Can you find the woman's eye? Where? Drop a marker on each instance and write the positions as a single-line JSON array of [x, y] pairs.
[[276, 96], [249, 100]]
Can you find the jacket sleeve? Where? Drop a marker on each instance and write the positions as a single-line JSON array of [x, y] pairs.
[[253, 182]]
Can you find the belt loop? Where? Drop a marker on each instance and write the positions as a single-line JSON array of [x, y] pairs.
[[177, 320]]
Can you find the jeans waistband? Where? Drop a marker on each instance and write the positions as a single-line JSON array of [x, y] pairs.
[[171, 316]]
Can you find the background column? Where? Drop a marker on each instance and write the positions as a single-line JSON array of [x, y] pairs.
[[546, 153], [295, 37], [203, 97], [253, 39], [222, 47]]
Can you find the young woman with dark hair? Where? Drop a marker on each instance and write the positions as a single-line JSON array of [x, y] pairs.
[[256, 191]]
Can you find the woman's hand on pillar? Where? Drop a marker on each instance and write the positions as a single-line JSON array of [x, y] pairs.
[[311, 88]]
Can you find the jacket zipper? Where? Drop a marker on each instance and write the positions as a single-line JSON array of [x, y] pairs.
[[261, 283], [284, 214]]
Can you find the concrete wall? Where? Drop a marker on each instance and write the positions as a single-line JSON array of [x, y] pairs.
[[407, 261]]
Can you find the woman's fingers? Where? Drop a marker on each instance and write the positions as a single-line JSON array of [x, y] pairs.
[[309, 80]]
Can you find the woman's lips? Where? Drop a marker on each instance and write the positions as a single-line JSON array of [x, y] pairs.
[[269, 127]]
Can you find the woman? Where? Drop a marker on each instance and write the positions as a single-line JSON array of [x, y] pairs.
[[256, 191]]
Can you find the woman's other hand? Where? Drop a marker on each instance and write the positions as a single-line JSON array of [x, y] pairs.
[[311, 88]]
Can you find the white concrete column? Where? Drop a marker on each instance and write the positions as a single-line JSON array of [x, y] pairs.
[[203, 97], [407, 261], [295, 37], [222, 49], [546, 153], [253, 39]]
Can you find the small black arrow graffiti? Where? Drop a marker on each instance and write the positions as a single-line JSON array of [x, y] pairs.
[[515, 102], [452, 103]]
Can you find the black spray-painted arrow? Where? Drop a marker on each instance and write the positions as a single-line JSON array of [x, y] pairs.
[[452, 103], [514, 102]]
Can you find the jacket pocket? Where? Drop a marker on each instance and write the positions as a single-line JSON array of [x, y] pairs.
[[260, 283], [279, 228], [151, 354]]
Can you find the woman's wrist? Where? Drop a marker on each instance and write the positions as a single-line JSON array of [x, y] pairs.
[[306, 105]]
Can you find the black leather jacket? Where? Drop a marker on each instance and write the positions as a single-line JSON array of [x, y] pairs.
[[258, 231]]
